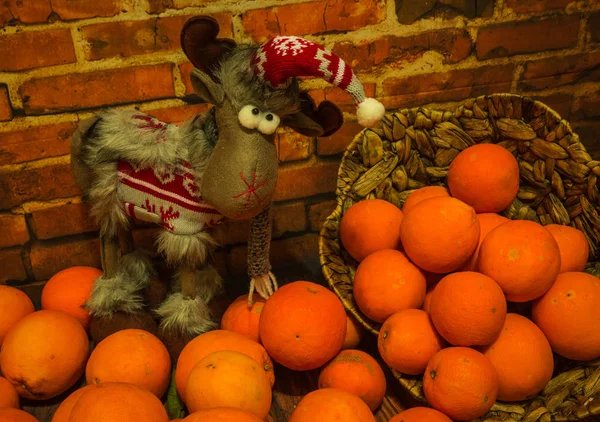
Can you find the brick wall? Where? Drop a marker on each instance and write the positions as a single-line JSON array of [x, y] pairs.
[[62, 60]]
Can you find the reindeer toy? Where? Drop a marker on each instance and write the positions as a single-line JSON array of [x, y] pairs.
[[219, 165]]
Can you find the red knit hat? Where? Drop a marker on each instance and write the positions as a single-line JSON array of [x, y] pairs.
[[282, 58]]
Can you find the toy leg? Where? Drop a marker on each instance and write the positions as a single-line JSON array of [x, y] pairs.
[[185, 313], [117, 301]]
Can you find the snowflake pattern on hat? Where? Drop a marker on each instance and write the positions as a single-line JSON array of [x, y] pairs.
[[284, 57]]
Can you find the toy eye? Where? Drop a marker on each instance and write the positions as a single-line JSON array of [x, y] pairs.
[[249, 116], [269, 123]]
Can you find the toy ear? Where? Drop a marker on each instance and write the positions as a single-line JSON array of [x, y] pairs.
[[206, 88], [201, 46], [324, 120]]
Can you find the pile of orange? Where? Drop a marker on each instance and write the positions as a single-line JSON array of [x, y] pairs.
[[438, 275], [442, 292]]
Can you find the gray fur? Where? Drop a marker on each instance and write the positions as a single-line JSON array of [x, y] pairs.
[[113, 136], [123, 291], [190, 250], [242, 87], [185, 316]]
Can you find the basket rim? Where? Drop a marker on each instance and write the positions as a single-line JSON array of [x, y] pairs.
[[369, 325]]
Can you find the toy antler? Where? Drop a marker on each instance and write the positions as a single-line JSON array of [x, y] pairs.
[[201, 46]]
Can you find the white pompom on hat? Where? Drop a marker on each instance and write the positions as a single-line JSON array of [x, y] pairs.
[[284, 57]]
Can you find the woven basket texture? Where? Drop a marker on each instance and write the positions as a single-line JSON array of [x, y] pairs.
[[413, 148]]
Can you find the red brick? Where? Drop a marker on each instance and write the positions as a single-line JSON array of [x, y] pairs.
[[587, 106], [557, 71], [64, 220], [340, 97], [14, 230], [35, 143], [286, 218], [36, 184], [32, 49], [159, 6], [306, 180], [96, 89], [232, 232], [339, 141], [6, 16], [527, 37], [588, 131], [283, 252], [30, 11], [318, 213], [560, 102], [316, 17], [594, 25], [50, 257], [449, 86], [289, 218], [12, 267], [5, 108], [131, 38], [293, 146], [178, 114], [527, 6], [81, 9], [454, 44]]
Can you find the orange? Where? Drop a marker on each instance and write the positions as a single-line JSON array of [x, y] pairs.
[[522, 357], [44, 354], [221, 414], [569, 314], [358, 373], [420, 414], [354, 333], [422, 194], [485, 176], [132, 356], [468, 309], [303, 325], [10, 414], [408, 340], [14, 305], [63, 413], [213, 341], [522, 257], [487, 222], [387, 282], [427, 302], [243, 319], [118, 402], [229, 379], [461, 383], [8, 394], [573, 245], [440, 234], [370, 225], [69, 290], [329, 405]]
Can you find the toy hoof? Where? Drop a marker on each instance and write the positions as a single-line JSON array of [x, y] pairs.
[[174, 342], [102, 327]]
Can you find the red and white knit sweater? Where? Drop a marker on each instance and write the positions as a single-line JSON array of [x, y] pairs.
[[170, 198]]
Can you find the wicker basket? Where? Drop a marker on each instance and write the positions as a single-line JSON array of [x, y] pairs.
[[559, 184]]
